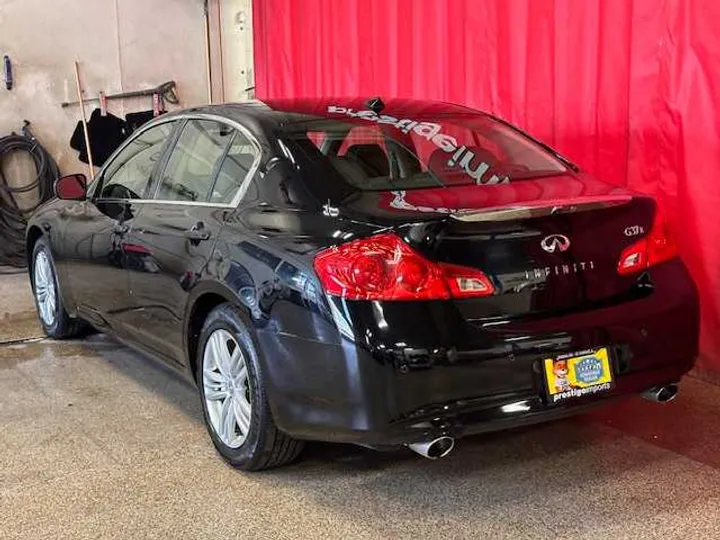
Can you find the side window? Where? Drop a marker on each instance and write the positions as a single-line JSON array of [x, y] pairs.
[[189, 171], [129, 173], [234, 169]]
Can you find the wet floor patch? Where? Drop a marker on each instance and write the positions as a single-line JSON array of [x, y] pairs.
[[17, 352], [16, 327]]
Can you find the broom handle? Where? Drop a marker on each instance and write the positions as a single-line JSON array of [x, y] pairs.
[[91, 168]]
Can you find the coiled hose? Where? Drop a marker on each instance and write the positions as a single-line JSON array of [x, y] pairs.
[[13, 218]]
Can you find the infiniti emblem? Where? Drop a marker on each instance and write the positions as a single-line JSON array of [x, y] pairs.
[[555, 242]]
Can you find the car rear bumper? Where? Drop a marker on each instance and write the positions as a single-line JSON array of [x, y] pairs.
[[506, 413], [362, 413], [465, 379]]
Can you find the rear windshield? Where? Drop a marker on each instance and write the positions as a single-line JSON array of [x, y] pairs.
[[373, 152]]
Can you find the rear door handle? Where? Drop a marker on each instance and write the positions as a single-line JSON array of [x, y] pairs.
[[197, 233]]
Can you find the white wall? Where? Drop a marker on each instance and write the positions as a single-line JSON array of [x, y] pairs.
[[121, 45], [237, 49]]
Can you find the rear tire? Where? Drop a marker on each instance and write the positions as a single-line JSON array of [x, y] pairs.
[[54, 318], [235, 405]]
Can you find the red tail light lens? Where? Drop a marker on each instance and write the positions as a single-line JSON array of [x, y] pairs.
[[658, 246], [633, 258], [386, 268], [661, 242]]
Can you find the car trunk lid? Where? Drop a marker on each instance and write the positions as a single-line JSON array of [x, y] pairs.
[[549, 246], [546, 259]]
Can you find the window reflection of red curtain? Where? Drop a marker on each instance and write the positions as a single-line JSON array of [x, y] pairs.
[[317, 137], [362, 135], [629, 89]]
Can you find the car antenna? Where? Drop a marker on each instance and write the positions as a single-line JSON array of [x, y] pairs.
[[375, 104]]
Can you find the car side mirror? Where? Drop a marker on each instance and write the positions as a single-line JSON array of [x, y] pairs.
[[72, 187]]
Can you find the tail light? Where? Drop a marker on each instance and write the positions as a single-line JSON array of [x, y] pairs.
[[386, 268], [658, 246]]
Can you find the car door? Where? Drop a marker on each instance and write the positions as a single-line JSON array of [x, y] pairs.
[[179, 226], [95, 255]]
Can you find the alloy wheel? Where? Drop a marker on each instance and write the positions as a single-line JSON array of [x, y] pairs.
[[226, 388], [45, 288]]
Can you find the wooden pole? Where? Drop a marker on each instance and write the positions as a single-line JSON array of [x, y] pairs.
[[91, 168], [208, 60]]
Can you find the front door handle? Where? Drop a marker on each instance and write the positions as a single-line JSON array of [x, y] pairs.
[[197, 233]]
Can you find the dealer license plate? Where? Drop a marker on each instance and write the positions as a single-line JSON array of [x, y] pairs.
[[578, 374]]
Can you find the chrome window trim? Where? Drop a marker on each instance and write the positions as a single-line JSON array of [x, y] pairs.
[[244, 185], [176, 203]]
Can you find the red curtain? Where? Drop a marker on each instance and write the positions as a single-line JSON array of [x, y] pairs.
[[630, 90]]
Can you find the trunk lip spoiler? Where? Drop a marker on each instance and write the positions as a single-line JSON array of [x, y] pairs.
[[553, 206]]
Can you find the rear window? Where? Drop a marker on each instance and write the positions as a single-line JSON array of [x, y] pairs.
[[380, 152]]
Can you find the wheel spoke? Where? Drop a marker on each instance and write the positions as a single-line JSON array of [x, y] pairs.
[[241, 377], [212, 346], [243, 413], [227, 421], [235, 362], [225, 361], [216, 351], [215, 393], [44, 270], [211, 375]]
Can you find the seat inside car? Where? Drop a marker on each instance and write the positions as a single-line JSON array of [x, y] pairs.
[[370, 167], [371, 157]]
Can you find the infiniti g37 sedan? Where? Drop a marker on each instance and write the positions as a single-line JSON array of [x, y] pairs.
[[398, 273]]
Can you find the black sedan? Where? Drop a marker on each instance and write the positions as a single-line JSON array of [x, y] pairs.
[[389, 274]]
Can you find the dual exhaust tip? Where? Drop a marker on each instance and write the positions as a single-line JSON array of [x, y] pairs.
[[442, 446], [434, 449], [661, 394]]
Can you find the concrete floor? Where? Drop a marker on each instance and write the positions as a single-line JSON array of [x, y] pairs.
[[98, 442], [18, 319]]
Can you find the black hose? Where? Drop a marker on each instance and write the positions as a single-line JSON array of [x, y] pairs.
[[13, 219]]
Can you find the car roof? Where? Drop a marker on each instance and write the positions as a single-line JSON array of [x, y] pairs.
[[286, 111]]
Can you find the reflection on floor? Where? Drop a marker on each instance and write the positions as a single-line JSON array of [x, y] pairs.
[[98, 442]]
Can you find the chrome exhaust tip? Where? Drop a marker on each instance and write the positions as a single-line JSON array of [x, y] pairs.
[[661, 394], [437, 448]]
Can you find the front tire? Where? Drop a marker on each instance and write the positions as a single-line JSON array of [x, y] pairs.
[[235, 405], [54, 317]]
